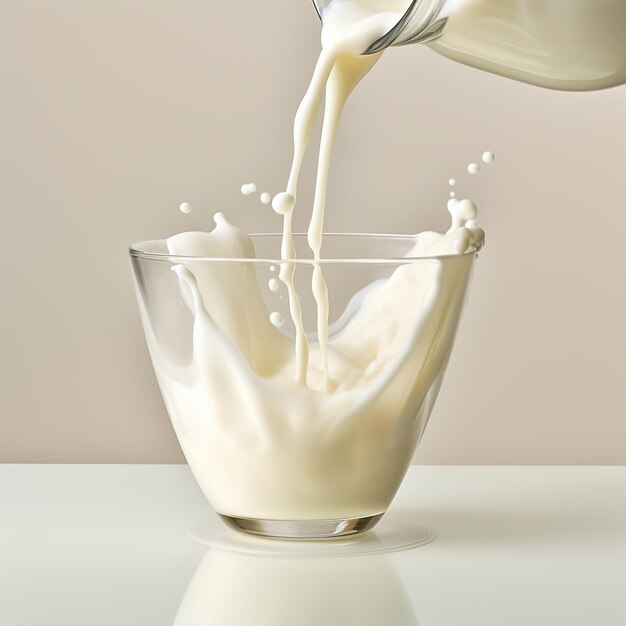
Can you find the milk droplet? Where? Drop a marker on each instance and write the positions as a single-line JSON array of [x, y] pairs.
[[452, 182], [220, 219], [488, 156], [277, 319], [265, 197], [185, 207], [473, 168], [452, 194], [244, 189], [251, 188], [272, 268], [273, 284], [283, 203]]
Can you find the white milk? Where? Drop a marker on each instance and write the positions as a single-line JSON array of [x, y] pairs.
[[263, 446], [278, 428]]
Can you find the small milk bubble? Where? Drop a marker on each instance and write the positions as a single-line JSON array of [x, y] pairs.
[[185, 207], [277, 319], [244, 189], [452, 194], [488, 156], [272, 268], [251, 188], [265, 197], [273, 284], [473, 168], [452, 182], [283, 203]]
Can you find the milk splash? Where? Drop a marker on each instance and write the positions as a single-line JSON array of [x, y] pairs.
[[238, 411], [304, 429], [349, 27]]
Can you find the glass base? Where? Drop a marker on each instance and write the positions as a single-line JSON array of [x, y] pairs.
[[391, 535], [300, 530]]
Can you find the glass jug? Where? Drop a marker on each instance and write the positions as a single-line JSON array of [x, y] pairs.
[[576, 45]]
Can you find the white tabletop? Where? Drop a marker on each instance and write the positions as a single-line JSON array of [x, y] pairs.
[[91, 545]]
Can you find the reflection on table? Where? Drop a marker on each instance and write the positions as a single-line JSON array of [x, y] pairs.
[[234, 589]]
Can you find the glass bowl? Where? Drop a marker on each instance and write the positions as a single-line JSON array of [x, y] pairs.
[[274, 456]]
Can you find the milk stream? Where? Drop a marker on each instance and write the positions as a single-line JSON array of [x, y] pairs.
[[349, 28], [283, 418]]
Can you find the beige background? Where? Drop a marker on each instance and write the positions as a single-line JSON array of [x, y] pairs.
[[114, 112]]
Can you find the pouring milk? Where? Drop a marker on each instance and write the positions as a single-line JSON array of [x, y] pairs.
[[349, 391]]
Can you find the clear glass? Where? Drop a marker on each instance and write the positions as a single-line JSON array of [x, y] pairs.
[[273, 457], [572, 45]]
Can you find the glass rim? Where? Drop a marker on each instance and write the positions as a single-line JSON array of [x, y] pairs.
[[135, 250]]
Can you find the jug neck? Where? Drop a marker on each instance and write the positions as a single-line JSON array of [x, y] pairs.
[[422, 21]]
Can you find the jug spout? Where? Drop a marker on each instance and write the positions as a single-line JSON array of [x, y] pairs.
[[420, 21]]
